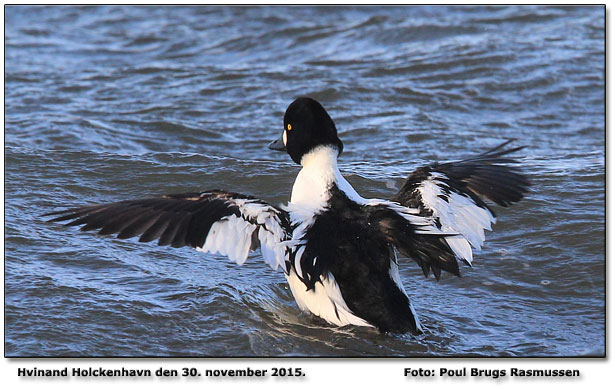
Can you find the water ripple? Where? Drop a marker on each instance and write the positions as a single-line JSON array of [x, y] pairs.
[[108, 103]]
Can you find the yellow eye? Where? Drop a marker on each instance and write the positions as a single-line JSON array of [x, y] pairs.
[[289, 127]]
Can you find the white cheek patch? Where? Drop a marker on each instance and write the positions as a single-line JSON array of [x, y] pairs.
[[284, 137]]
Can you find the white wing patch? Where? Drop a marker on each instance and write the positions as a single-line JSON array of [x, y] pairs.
[[232, 236], [457, 214], [424, 225]]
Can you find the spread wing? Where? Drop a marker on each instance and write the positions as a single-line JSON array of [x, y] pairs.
[[454, 194], [213, 221], [415, 236]]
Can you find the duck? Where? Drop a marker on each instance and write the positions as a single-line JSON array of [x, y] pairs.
[[340, 252]]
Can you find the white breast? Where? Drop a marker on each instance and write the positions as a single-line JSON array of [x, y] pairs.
[[309, 198], [325, 301], [311, 188], [319, 172]]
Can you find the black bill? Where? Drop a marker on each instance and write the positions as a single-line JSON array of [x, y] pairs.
[[277, 145]]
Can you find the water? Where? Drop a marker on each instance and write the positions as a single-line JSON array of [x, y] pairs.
[[111, 103]]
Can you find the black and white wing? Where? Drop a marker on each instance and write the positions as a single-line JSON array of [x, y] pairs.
[[454, 195], [213, 221]]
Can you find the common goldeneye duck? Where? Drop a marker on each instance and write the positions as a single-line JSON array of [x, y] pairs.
[[338, 250]]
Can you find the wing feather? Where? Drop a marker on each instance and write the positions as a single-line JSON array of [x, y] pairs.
[[454, 196], [213, 221], [140, 225]]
